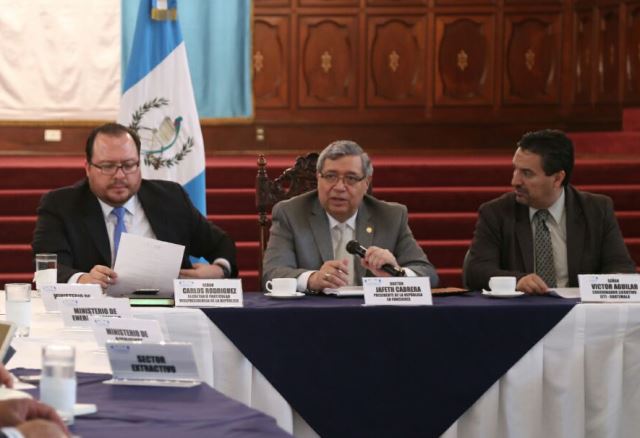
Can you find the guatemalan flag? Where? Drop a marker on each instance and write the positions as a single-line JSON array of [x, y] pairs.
[[159, 104]]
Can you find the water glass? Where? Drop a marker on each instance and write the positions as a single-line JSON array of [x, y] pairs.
[[58, 380], [18, 306], [46, 270]]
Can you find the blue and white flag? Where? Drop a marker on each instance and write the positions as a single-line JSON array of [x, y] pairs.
[[159, 104]]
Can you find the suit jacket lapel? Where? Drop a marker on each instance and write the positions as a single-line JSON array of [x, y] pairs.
[[320, 229], [364, 234], [96, 227], [575, 233], [157, 217], [524, 236]]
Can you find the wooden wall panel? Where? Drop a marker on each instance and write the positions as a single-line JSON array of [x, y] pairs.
[[327, 3], [464, 60], [328, 61], [396, 48], [608, 53], [632, 55], [271, 53], [532, 58], [412, 74], [272, 3], [396, 2], [584, 50]]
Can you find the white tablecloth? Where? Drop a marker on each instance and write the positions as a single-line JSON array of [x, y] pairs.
[[581, 380]]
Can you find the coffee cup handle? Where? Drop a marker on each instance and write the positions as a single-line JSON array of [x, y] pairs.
[[269, 286]]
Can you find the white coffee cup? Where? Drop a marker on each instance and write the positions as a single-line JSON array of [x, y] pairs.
[[282, 286], [502, 284]]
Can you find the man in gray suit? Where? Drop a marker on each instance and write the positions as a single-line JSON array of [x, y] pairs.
[[309, 232], [545, 232]]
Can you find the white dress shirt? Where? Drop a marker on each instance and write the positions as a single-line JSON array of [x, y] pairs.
[[135, 222]]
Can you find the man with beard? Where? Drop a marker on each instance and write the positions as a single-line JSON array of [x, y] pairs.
[[82, 223], [546, 231]]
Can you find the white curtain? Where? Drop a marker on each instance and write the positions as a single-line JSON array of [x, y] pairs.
[[59, 59]]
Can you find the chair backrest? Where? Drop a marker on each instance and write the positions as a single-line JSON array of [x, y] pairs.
[[293, 181]]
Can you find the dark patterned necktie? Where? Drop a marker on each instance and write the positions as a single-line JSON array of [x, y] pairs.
[[543, 249]]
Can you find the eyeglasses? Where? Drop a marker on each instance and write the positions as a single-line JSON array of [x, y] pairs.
[[112, 168], [333, 178]]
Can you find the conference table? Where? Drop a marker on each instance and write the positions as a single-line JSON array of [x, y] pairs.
[[157, 412], [467, 366]]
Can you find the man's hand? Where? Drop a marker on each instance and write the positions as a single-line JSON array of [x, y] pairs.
[[6, 378], [15, 412], [102, 275], [333, 274], [202, 270], [41, 429], [532, 284], [375, 257]]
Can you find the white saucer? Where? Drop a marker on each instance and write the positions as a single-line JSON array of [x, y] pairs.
[[510, 294], [285, 297]]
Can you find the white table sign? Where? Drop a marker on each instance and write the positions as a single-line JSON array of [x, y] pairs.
[[77, 312], [52, 292], [397, 291], [126, 330], [152, 364], [208, 293], [609, 288]]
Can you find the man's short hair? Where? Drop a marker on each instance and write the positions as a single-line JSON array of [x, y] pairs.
[[555, 149], [345, 148], [113, 130]]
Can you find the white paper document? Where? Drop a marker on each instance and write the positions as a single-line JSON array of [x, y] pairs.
[[345, 291], [566, 292], [144, 263]]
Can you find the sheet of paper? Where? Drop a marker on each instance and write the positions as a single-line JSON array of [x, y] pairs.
[[566, 292], [345, 291], [144, 263]]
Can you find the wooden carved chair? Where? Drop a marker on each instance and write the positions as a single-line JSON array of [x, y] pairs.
[[293, 181]]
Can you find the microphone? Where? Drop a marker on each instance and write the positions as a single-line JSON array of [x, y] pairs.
[[354, 247]]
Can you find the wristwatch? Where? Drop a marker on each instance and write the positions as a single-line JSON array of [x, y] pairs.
[[226, 273]]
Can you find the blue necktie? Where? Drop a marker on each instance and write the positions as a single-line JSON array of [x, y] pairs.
[[118, 212]]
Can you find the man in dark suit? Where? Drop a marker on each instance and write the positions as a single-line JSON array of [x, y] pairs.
[[79, 223], [545, 232], [309, 232]]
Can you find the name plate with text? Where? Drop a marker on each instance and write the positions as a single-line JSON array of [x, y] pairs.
[[165, 364], [397, 291], [78, 312], [208, 293], [52, 292], [126, 330], [609, 288]]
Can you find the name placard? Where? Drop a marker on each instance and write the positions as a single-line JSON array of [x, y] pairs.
[[397, 291], [126, 330], [609, 288], [208, 293], [52, 292], [78, 312], [151, 363]]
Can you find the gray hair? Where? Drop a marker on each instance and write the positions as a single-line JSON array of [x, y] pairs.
[[345, 148]]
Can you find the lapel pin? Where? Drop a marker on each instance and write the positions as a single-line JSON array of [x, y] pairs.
[[369, 230]]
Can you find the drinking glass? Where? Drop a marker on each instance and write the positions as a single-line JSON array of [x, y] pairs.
[[18, 306], [58, 380]]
